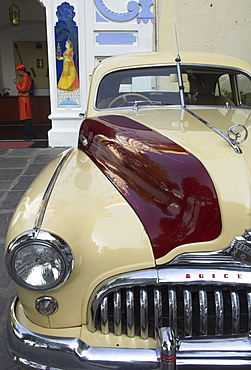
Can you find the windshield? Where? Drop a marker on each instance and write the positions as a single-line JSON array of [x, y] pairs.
[[149, 86], [145, 86]]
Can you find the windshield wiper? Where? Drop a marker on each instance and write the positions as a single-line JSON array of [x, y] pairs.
[[232, 136], [232, 141]]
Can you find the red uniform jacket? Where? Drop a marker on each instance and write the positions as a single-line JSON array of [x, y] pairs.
[[24, 101]]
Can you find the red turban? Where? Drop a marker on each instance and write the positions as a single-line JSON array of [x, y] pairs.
[[20, 67]]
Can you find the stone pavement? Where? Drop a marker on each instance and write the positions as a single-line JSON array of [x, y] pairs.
[[18, 168]]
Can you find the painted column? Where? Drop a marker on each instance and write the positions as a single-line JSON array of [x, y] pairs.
[[67, 94], [80, 34]]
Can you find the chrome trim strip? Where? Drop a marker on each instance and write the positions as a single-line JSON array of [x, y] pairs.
[[224, 257], [235, 301], [157, 311], [203, 312], [104, 316], [117, 313], [219, 312], [188, 311], [143, 313], [206, 258], [172, 298], [30, 349], [48, 191], [249, 309], [130, 313]]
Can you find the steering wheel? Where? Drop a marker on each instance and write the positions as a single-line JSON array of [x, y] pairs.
[[124, 97]]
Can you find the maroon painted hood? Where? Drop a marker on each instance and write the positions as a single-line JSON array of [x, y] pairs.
[[168, 188]]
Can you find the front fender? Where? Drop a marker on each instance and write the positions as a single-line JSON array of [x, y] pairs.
[[104, 233]]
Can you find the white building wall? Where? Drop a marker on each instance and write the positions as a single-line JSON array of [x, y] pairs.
[[214, 26], [103, 30]]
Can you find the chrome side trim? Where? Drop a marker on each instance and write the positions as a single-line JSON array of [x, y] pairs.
[[31, 349], [48, 191]]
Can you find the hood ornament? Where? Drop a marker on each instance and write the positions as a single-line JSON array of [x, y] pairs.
[[241, 247], [237, 134]]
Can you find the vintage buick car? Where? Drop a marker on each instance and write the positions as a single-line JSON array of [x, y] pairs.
[[134, 249]]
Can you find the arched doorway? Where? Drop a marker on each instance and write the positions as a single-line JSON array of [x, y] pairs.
[[26, 44]]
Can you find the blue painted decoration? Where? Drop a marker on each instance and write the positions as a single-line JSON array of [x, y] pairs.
[[68, 102], [115, 38], [133, 7], [67, 56], [99, 18], [145, 15]]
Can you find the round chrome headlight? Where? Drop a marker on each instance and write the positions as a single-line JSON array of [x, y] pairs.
[[39, 261]]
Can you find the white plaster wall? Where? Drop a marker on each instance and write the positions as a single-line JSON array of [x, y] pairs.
[[217, 26]]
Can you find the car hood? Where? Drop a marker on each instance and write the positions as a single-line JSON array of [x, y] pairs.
[[180, 176]]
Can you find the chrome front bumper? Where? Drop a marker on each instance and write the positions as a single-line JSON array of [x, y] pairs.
[[53, 353]]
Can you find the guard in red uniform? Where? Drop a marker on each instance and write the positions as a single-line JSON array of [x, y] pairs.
[[24, 102]]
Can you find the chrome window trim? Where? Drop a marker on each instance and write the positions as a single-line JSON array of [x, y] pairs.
[[150, 106]]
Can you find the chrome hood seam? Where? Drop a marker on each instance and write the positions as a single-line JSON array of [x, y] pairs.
[[48, 191]]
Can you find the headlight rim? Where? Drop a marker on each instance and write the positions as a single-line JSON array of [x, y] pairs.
[[45, 239]]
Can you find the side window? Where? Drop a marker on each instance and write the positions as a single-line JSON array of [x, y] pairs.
[[244, 89], [223, 87]]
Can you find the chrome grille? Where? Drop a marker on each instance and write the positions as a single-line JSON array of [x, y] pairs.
[[193, 309]]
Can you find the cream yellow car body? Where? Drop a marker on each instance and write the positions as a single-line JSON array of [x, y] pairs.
[[104, 233]]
